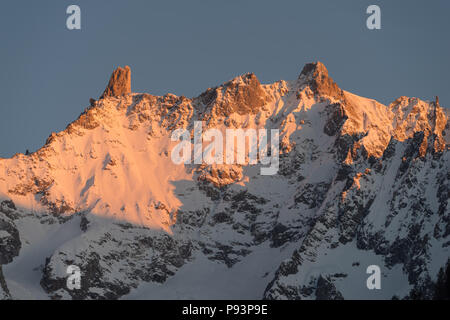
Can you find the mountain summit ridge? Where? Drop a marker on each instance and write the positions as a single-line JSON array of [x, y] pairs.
[[356, 178], [369, 125]]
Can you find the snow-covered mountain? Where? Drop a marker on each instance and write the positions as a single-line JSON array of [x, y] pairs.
[[359, 183]]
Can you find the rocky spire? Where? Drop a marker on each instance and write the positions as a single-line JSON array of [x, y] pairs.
[[119, 83], [316, 75]]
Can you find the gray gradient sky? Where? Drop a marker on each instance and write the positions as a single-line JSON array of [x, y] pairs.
[[48, 73]]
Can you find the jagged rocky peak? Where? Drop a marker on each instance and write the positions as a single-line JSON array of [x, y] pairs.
[[414, 115], [316, 76], [119, 83], [351, 183], [243, 94]]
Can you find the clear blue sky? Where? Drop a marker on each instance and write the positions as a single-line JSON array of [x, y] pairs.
[[48, 73]]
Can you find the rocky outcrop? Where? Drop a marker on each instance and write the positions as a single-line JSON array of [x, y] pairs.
[[243, 95], [119, 83], [115, 262], [9, 242], [326, 290], [4, 292], [316, 76], [412, 115], [9, 236]]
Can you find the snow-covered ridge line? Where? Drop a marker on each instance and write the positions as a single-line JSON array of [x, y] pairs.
[[356, 178]]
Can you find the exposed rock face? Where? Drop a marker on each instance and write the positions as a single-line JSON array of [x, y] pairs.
[[336, 119], [326, 290], [9, 236], [316, 75], [119, 83], [4, 292], [9, 242], [412, 115], [243, 95], [142, 256]]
